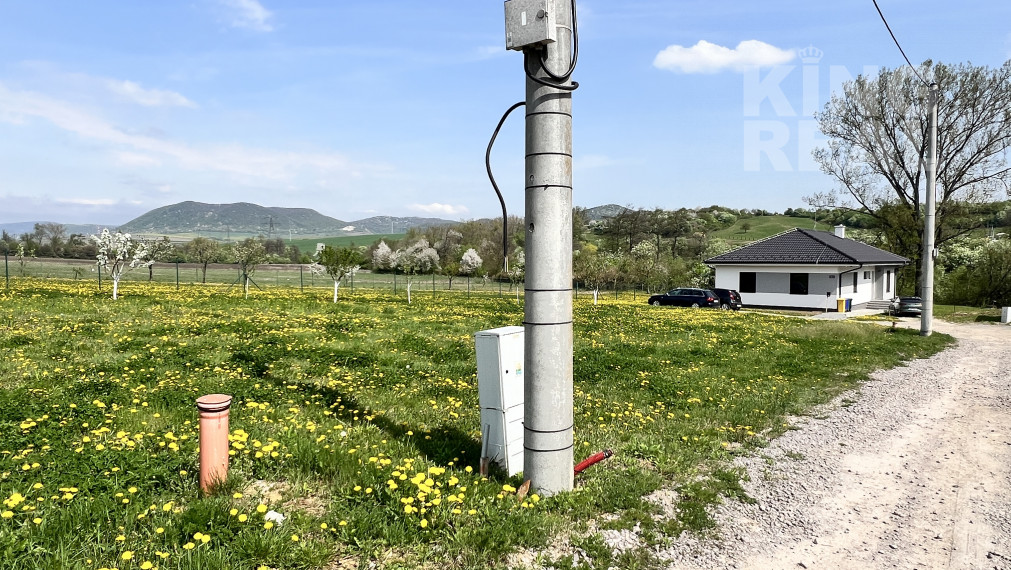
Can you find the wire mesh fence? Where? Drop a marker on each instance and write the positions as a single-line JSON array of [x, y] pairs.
[[283, 275]]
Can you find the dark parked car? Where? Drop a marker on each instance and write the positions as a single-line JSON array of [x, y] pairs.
[[686, 297], [729, 299], [906, 306]]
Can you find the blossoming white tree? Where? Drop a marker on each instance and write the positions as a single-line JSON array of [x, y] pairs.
[[118, 252], [337, 263], [418, 258], [469, 263], [382, 256]]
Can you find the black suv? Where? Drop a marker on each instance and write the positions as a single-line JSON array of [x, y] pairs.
[[686, 297], [729, 299]]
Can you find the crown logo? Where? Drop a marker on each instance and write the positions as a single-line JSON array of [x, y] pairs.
[[811, 55]]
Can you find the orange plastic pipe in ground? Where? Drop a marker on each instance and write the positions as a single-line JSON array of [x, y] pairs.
[[213, 439]]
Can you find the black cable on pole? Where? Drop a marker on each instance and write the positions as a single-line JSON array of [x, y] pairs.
[[575, 51], [535, 79], [487, 165], [894, 39]]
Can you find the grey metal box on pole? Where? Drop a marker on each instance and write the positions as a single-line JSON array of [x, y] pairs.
[[529, 23]]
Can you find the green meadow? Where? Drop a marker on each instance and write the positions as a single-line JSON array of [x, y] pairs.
[[358, 423]]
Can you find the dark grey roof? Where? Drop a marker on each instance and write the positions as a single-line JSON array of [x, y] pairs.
[[807, 247]]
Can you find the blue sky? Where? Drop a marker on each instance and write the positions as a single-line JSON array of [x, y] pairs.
[[360, 108]]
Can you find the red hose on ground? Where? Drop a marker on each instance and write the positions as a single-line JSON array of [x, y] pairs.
[[592, 460]]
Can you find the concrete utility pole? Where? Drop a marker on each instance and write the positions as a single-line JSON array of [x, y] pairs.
[[548, 421], [927, 285]]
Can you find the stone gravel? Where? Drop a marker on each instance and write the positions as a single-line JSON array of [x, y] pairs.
[[867, 476]]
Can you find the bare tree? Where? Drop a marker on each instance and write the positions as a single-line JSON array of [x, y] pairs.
[[877, 130], [203, 251]]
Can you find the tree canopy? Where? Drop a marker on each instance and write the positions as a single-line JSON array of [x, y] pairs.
[[878, 142]]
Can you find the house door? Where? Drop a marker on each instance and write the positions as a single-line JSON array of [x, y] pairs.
[[879, 284]]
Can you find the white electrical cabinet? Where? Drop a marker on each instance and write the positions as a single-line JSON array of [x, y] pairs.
[[1005, 315], [500, 395]]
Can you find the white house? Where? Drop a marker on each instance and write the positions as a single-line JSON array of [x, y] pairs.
[[808, 269]]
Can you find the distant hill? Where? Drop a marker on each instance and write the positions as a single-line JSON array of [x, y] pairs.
[[242, 218], [761, 227], [598, 213], [17, 228], [239, 218], [391, 225]]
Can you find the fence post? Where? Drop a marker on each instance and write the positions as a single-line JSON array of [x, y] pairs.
[[7, 275], [301, 282], [394, 280], [99, 277], [177, 276], [433, 283], [352, 282]]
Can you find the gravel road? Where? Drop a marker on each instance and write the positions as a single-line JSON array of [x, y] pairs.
[[911, 472]]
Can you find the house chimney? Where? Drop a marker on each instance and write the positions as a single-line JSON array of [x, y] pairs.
[[840, 231]]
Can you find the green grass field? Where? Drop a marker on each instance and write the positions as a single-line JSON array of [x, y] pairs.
[[308, 245], [359, 422], [766, 226]]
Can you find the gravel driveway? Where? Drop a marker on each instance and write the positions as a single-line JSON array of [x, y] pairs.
[[913, 471]]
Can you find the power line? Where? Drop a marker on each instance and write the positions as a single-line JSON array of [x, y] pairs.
[[894, 39]]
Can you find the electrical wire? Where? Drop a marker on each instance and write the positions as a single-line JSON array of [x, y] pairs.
[[558, 79], [487, 165], [894, 39], [526, 67], [575, 51]]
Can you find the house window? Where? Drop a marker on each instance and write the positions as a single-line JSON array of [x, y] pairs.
[[798, 283], [867, 275], [747, 284], [854, 281], [888, 281]]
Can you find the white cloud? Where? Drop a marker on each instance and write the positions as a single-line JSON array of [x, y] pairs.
[[144, 149], [439, 209], [706, 57], [249, 14], [136, 159], [147, 97], [91, 201]]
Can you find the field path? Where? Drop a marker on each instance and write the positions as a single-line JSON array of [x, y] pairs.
[[913, 472]]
